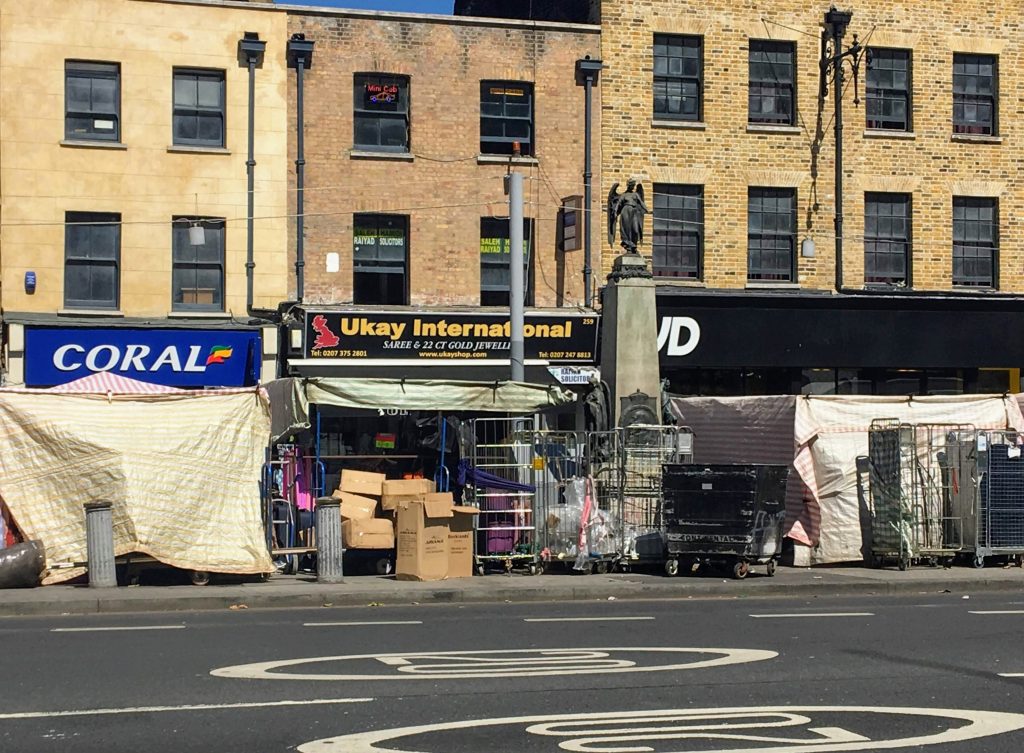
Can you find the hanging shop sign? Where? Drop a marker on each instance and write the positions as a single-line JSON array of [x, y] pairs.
[[554, 337], [172, 357]]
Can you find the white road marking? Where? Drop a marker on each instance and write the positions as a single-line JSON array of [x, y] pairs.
[[1000, 611], [126, 627], [357, 624], [815, 614], [192, 707], [1011, 674], [527, 662], [743, 729], [585, 619]]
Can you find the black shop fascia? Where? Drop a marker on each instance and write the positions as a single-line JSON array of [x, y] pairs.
[[720, 343], [464, 344]]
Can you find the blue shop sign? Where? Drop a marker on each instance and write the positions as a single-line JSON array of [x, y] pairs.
[[172, 357]]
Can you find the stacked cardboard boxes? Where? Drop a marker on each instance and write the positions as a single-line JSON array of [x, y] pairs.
[[435, 538], [434, 535], [361, 527]]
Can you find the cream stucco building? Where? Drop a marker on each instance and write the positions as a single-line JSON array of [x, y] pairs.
[[125, 124]]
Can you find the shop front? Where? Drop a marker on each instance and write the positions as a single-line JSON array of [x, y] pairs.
[[734, 344], [47, 354], [399, 392]]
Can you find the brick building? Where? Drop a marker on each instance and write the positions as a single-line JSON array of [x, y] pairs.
[[717, 108], [409, 123]]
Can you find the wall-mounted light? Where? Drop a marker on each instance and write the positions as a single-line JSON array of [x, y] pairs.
[[807, 248], [30, 282], [196, 234]]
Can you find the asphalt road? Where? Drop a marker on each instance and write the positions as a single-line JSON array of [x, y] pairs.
[[612, 677]]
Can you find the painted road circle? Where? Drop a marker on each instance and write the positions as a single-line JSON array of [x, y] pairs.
[[529, 662], [754, 729]]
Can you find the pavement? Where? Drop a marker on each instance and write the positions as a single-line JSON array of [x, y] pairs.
[[303, 591]]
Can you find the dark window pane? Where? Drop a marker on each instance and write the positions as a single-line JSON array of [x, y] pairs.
[[92, 100], [974, 94], [888, 89], [975, 241], [381, 104], [887, 238], [506, 116], [495, 276], [197, 279], [771, 83], [92, 250], [198, 108], [380, 258], [677, 76], [771, 235]]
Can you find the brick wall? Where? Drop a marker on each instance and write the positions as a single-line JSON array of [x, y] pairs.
[[444, 186], [726, 156]]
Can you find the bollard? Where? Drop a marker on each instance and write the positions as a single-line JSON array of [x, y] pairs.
[[99, 540], [329, 551]]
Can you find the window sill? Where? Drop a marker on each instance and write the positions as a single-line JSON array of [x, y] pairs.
[[89, 144], [198, 315], [974, 288], [111, 313], [976, 138], [880, 133], [682, 125], [501, 159], [758, 128], [393, 156], [185, 149], [679, 283], [768, 284]]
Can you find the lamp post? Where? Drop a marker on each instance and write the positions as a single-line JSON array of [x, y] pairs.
[[833, 60], [587, 72]]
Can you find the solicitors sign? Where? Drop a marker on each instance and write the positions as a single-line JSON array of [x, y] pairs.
[[569, 337], [171, 357]]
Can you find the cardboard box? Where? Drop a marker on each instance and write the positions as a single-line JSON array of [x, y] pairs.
[[354, 507], [422, 534], [372, 533], [460, 542], [398, 493], [361, 482]]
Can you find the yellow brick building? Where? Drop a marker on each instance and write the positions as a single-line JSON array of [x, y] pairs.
[[717, 108], [125, 124]]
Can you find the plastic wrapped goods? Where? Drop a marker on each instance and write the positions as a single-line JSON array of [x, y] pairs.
[[21, 565]]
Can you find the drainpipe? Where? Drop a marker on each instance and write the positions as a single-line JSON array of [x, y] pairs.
[[587, 72], [250, 54], [300, 57]]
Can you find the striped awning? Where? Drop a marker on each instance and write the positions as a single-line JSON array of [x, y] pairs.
[[104, 382]]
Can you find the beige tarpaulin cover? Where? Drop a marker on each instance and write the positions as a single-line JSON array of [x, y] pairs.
[[182, 470], [291, 397], [831, 432]]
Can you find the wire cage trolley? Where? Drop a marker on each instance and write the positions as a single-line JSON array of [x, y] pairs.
[[988, 493], [501, 486], [724, 515], [578, 481], [908, 487], [646, 449]]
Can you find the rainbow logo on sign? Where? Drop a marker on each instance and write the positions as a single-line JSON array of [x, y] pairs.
[[219, 354]]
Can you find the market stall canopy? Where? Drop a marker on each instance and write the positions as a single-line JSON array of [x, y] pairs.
[[103, 382], [182, 469], [291, 397]]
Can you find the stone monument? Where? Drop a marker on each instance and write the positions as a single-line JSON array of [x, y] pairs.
[[629, 342]]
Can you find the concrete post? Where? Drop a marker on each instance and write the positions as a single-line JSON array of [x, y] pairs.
[[99, 542], [515, 290], [329, 549]]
